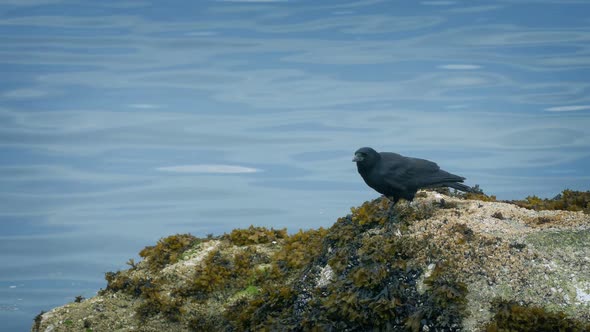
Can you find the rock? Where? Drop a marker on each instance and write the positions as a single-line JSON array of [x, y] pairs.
[[423, 267], [326, 276]]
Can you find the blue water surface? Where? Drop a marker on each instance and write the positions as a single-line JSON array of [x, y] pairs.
[[122, 122]]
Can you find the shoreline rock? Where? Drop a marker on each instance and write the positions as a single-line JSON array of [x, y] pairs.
[[440, 263]]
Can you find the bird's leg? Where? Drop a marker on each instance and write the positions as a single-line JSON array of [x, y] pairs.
[[393, 200]]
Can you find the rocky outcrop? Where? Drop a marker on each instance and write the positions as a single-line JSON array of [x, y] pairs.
[[439, 264]]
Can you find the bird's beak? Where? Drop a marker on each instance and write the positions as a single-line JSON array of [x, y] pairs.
[[357, 157]]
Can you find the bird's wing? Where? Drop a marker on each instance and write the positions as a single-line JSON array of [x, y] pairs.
[[408, 172], [425, 173]]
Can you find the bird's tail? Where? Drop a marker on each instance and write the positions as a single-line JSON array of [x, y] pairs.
[[460, 186]]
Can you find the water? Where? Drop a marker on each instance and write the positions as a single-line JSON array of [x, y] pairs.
[[121, 123]]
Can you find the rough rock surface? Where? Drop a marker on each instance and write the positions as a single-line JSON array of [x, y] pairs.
[[396, 263]]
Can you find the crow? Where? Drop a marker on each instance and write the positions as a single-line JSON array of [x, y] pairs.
[[396, 176]]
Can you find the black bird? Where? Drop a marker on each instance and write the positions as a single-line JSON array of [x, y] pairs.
[[396, 176]]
